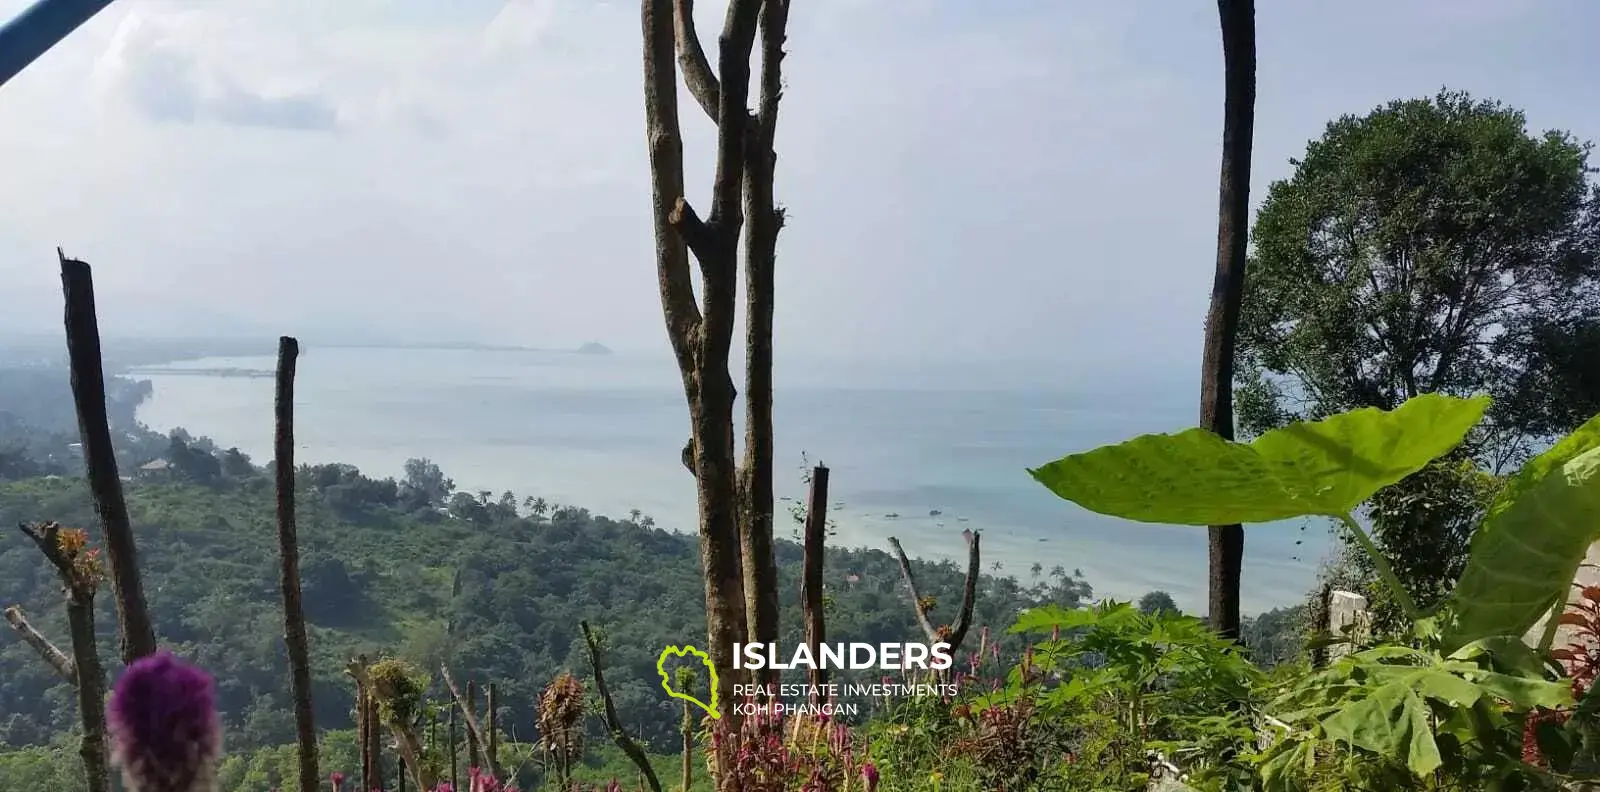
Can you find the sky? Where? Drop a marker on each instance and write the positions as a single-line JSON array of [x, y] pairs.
[[1027, 179]]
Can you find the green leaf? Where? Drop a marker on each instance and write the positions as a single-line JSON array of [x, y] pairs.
[[1324, 467], [1393, 723], [1532, 541], [1348, 457], [1524, 693], [1193, 477]]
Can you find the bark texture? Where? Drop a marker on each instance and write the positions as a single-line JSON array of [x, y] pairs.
[[1226, 550], [79, 570], [816, 536], [100, 459], [294, 618], [952, 634]]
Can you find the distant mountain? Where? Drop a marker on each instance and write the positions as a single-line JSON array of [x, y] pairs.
[[593, 348]]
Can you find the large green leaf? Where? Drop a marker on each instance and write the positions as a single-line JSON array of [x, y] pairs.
[[1392, 722], [1532, 541], [1348, 457], [1324, 467]]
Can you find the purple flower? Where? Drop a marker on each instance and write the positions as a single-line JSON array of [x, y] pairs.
[[165, 733], [869, 773]]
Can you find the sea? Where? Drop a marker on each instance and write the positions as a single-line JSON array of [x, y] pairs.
[[916, 452]]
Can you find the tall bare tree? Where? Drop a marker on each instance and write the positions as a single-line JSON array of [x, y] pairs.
[[1227, 289], [80, 570], [735, 503], [294, 615], [100, 459]]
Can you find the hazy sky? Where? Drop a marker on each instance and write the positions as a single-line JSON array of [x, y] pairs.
[[1033, 177]]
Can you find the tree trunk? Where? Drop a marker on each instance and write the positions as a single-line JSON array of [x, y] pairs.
[[701, 335], [492, 757], [816, 535], [100, 459], [80, 577], [450, 730], [470, 709], [761, 244], [91, 685], [1227, 290], [374, 738], [294, 618], [688, 745]]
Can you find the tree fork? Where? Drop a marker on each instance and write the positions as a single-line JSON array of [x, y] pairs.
[[619, 735], [951, 634]]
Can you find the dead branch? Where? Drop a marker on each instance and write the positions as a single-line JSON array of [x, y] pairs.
[[816, 531], [470, 718], [79, 572], [100, 458], [619, 735], [294, 619], [55, 658], [666, 171], [697, 74], [696, 233], [474, 740], [492, 747], [952, 634]]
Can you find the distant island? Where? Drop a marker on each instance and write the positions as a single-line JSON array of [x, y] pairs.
[[593, 348]]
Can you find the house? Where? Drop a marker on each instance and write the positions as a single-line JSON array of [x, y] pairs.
[[155, 468]]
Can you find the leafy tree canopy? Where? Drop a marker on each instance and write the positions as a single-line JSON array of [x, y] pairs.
[[1432, 245]]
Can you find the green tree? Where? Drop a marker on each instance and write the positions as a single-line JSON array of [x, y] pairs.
[[1432, 245], [1156, 602]]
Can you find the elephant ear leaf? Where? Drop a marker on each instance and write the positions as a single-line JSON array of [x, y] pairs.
[[1325, 467], [1193, 477], [1345, 459], [1532, 540]]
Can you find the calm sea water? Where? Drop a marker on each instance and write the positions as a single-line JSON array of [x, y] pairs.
[[914, 454]]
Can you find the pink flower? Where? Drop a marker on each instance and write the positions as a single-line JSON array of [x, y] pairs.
[[869, 773], [337, 779], [165, 732]]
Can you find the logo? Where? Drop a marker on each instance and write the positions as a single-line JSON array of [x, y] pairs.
[[666, 680]]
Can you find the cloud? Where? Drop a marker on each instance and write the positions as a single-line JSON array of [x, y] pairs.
[[1035, 178], [152, 65]]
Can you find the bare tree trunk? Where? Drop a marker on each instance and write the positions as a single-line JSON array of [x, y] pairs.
[[374, 737], [952, 634], [474, 740], [91, 690], [816, 535], [1227, 289], [761, 251], [619, 735], [492, 746], [80, 574], [469, 715], [450, 728], [294, 617], [100, 459], [702, 334], [361, 736], [688, 745]]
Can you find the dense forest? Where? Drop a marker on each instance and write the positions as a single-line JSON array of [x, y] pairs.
[[411, 567]]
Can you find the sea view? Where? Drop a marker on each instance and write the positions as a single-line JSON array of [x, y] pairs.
[[914, 453]]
